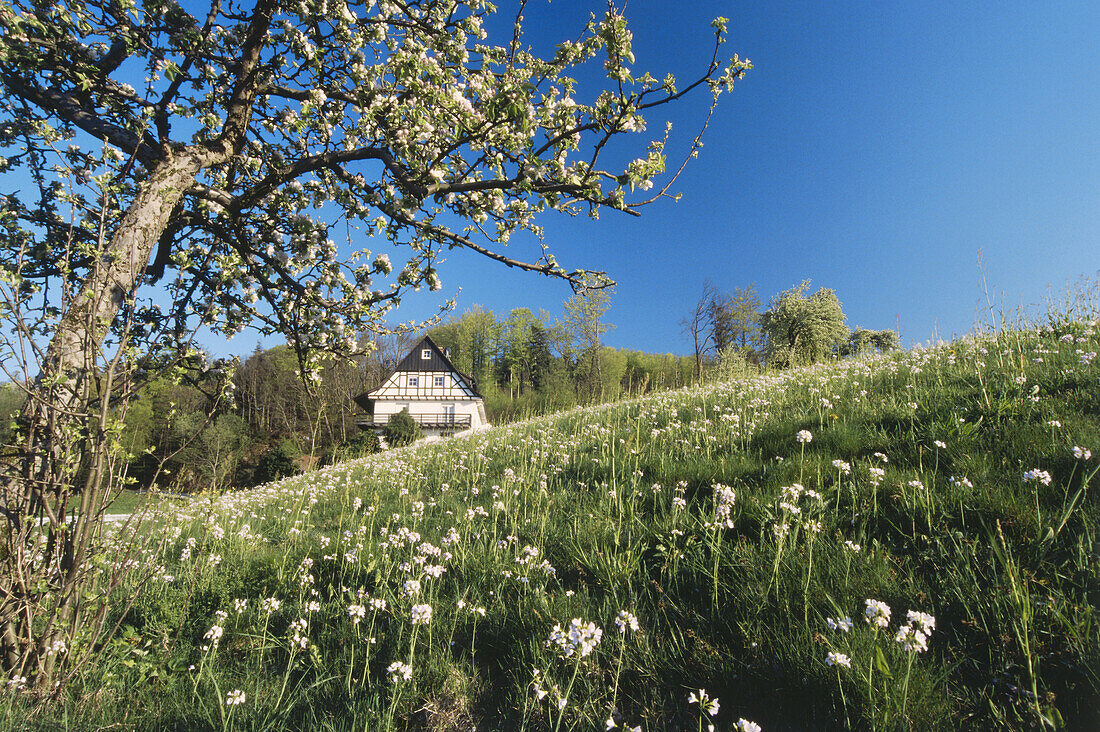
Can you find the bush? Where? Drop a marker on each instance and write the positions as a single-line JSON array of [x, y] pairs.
[[402, 430], [862, 340], [277, 462], [361, 445]]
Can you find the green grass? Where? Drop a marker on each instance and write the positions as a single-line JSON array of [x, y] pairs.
[[607, 509], [127, 501]]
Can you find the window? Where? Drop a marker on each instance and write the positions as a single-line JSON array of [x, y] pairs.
[[414, 381], [425, 354], [439, 381]]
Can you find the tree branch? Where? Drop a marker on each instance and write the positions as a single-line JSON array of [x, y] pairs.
[[308, 165], [238, 111], [65, 106]]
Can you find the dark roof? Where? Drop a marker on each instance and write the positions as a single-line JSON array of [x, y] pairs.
[[414, 363], [437, 362]]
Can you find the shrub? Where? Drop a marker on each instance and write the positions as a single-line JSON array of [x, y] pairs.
[[733, 364], [402, 429], [862, 340], [277, 462], [361, 445]]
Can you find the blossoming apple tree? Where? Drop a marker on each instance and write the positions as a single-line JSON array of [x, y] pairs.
[[173, 170]]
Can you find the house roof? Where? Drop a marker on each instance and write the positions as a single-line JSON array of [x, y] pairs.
[[412, 362]]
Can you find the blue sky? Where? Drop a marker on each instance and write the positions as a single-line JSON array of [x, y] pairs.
[[876, 149]]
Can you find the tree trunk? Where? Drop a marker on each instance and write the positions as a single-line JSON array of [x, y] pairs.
[[63, 437], [60, 434], [72, 356]]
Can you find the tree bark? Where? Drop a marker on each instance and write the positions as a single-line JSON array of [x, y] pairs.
[[61, 434]]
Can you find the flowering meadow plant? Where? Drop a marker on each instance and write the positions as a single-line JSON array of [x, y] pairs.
[[876, 613], [579, 637]]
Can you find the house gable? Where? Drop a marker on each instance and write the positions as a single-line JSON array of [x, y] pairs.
[[427, 374], [439, 397]]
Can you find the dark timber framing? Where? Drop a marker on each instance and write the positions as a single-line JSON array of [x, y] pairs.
[[425, 374]]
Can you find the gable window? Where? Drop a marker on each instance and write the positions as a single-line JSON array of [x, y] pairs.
[[414, 381], [426, 354], [439, 381]]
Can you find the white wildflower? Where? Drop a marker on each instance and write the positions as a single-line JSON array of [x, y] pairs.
[[708, 705], [626, 620], [581, 637], [1040, 476], [398, 671], [421, 614], [877, 613]]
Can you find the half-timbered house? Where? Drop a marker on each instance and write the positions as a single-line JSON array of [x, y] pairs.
[[443, 400]]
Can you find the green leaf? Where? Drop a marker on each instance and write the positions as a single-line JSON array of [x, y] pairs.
[[881, 664]]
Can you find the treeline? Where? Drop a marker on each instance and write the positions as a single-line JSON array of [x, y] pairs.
[[242, 424], [232, 423], [526, 364], [239, 423]]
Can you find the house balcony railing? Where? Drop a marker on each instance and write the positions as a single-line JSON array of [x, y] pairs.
[[429, 421]]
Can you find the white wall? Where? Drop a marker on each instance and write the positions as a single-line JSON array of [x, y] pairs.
[[383, 409]]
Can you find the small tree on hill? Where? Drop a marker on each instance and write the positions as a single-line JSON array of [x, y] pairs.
[[723, 321], [802, 329], [735, 319], [886, 340], [697, 325], [862, 340], [402, 429], [585, 325]]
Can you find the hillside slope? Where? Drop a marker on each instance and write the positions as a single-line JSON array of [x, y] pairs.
[[894, 542]]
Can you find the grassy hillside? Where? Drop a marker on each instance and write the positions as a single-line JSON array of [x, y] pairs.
[[757, 532]]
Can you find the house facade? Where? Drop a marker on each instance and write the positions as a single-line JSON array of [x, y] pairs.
[[443, 400]]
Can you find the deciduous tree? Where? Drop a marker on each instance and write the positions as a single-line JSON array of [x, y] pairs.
[[802, 328], [741, 320], [585, 325], [514, 360]]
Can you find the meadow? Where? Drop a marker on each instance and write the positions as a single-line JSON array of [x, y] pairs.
[[891, 542]]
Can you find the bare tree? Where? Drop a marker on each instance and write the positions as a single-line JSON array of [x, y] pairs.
[[698, 325]]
